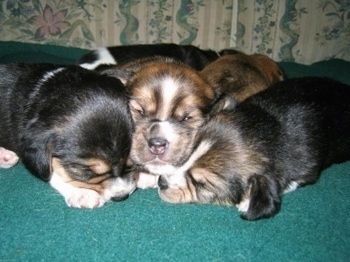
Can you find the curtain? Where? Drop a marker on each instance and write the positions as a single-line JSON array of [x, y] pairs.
[[303, 31]]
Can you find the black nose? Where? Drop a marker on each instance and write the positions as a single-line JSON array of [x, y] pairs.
[[120, 198], [157, 145], [162, 183]]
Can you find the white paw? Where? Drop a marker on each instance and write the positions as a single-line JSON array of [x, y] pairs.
[[146, 180], [243, 206], [84, 198], [7, 158], [76, 196]]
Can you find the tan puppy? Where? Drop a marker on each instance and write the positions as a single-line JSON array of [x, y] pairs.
[[169, 103], [241, 75]]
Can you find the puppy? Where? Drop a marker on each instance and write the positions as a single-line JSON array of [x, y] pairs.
[[270, 144], [188, 54], [240, 75], [169, 103], [71, 127]]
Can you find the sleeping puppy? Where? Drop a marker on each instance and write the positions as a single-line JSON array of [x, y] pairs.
[[241, 76], [71, 127], [270, 144], [169, 103], [188, 54]]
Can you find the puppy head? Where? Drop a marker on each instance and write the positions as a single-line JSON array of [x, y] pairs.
[[92, 140], [240, 75], [169, 102], [272, 72], [225, 168]]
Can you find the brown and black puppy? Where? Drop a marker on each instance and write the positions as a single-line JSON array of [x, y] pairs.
[[71, 127], [270, 144], [169, 103], [240, 75]]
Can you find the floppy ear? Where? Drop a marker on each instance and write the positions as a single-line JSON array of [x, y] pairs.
[[225, 102], [123, 74], [265, 200], [37, 156]]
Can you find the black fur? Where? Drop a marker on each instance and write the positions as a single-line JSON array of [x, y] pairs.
[[311, 132], [284, 135], [73, 115]]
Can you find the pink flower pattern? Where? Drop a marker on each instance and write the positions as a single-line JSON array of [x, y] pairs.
[[50, 23]]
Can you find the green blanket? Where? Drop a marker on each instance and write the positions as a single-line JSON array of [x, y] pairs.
[[36, 224]]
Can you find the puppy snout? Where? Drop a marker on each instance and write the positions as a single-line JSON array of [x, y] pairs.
[[157, 145], [162, 183]]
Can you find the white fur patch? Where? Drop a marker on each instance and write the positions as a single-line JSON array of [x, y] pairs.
[[74, 196], [202, 149], [146, 180], [167, 131], [291, 187], [158, 170], [103, 57], [243, 206], [118, 187], [169, 90]]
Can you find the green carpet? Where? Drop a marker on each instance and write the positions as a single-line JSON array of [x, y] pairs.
[[36, 224]]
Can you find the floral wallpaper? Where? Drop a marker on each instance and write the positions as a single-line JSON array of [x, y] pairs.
[[286, 30]]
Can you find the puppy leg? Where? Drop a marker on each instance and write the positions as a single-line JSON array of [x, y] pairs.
[[75, 196], [263, 199], [74, 192], [7, 158]]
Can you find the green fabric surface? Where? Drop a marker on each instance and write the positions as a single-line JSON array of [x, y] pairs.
[[36, 224], [35, 53]]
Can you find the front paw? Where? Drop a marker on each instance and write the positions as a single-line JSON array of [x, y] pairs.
[[84, 198], [7, 158], [78, 197]]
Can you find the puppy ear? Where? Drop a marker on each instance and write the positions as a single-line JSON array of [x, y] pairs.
[[264, 198], [123, 74], [37, 156], [225, 102]]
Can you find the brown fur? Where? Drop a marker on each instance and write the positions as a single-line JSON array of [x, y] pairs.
[[241, 75], [168, 101]]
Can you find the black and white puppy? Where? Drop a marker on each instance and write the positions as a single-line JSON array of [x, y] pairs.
[[193, 56], [270, 144], [169, 103], [70, 127]]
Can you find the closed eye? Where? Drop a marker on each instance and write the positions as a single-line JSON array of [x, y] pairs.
[[137, 108], [186, 118], [141, 112]]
